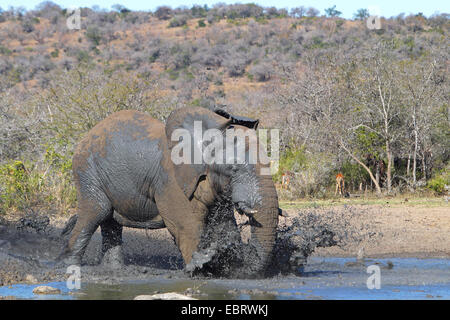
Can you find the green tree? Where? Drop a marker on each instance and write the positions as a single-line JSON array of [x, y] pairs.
[[332, 12], [361, 14]]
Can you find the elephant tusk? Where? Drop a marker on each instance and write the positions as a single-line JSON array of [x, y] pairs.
[[282, 213], [243, 209]]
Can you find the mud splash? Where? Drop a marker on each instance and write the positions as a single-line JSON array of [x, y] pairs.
[[310, 229], [224, 252], [28, 253]]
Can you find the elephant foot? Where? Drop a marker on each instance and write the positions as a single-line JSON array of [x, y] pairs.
[[113, 258], [67, 258]]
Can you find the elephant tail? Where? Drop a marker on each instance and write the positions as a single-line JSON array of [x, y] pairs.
[[69, 225]]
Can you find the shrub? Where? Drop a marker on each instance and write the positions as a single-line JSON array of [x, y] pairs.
[[236, 66], [83, 56], [309, 173], [5, 51], [94, 34], [198, 11], [261, 72], [201, 23], [178, 21], [27, 26], [19, 186], [59, 187], [25, 185], [438, 184], [55, 53], [163, 13]]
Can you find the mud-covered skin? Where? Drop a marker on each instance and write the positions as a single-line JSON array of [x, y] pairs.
[[240, 185], [122, 165], [124, 176]]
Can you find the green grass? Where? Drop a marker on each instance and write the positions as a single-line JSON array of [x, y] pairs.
[[391, 201]]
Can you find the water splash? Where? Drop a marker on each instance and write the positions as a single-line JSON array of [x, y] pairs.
[[223, 253]]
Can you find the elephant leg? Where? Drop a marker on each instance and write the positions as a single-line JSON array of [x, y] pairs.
[[112, 243], [111, 234], [184, 220], [91, 213]]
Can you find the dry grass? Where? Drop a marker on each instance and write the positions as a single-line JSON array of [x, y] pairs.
[[394, 202]]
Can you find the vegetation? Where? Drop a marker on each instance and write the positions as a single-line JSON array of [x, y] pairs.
[[372, 104]]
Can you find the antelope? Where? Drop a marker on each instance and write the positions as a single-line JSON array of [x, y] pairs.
[[285, 180], [340, 184]]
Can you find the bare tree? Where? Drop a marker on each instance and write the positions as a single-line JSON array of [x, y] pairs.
[[378, 94], [298, 12], [312, 12], [423, 85]]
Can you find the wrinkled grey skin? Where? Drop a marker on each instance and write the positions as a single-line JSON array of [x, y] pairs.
[[125, 177]]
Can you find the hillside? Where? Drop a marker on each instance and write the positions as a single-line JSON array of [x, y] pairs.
[[315, 78]]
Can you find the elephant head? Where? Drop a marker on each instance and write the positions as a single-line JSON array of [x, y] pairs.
[[251, 192]]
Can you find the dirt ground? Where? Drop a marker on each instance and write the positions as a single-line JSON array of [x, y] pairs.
[[382, 231], [407, 231]]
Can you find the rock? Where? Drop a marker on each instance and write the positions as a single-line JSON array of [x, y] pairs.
[[46, 290], [29, 278], [191, 291], [164, 296]]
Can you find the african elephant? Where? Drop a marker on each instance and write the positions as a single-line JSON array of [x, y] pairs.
[[125, 176]]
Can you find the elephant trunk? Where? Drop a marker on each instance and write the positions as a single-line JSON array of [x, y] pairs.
[[263, 229]]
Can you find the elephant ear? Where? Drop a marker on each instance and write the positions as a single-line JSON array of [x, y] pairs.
[[239, 120], [188, 175]]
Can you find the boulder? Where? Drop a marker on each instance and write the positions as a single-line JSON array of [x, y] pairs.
[[164, 296], [46, 290]]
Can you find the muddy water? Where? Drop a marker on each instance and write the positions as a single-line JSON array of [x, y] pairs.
[[321, 278], [153, 264]]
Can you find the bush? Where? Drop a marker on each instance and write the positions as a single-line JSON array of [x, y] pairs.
[[236, 66], [178, 21], [25, 185], [94, 34], [19, 186], [261, 72], [55, 53], [27, 26], [163, 13], [439, 183], [201, 23], [5, 51], [59, 187], [309, 173]]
